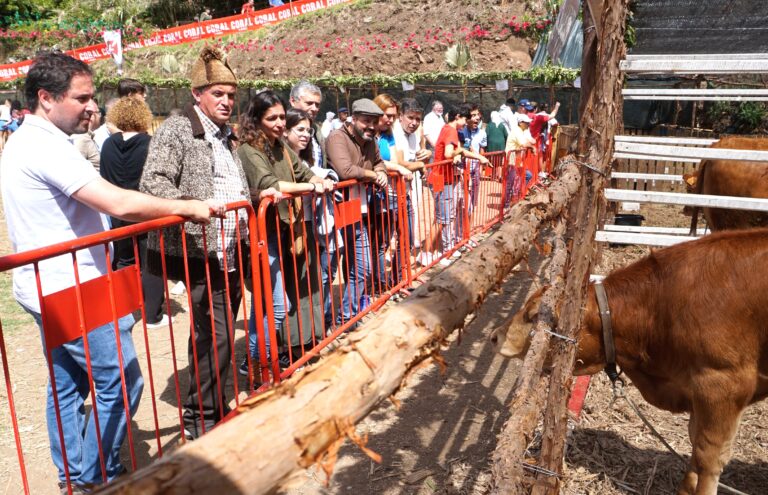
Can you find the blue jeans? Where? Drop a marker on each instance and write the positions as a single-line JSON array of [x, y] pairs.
[[445, 215], [279, 302], [357, 258], [474, 186], [70, 371], [512, 186]]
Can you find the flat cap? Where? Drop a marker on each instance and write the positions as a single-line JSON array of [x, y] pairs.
[[366, 107]]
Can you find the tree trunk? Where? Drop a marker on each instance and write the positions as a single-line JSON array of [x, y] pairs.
[[305, 419], [530, 390], [598, 126]]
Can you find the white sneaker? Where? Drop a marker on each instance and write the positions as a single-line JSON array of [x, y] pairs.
[[162, 323], [178, 289], [456, 254], [424, 258], [445, 262]]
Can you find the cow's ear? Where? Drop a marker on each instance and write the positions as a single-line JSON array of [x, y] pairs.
[[532, 305], [691, 179]]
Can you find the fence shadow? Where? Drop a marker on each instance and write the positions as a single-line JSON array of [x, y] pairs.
[[447, 424]]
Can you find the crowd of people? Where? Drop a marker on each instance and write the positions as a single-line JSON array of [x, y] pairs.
[[65, 174]]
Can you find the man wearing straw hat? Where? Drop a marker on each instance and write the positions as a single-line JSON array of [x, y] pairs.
[[192, 155]]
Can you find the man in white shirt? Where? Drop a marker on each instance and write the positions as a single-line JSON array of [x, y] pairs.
[[411, 155], [433, 123], [52, 194], [508, 115]]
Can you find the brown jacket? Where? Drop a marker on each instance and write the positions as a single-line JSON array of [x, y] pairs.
[[180, 166], [348, 158]]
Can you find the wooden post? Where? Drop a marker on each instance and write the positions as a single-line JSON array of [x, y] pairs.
[[527, 403], [597, 127], [306, 419]]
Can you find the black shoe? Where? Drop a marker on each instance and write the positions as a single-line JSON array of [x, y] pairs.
[[243, 368], [76, 489], [283, 360]]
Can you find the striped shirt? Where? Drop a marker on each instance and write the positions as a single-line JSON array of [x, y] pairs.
[[227, 188]]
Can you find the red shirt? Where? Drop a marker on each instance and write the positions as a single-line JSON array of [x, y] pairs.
[[448, 135], [538, 123]]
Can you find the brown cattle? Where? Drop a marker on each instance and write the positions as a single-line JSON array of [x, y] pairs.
[[733, 178], [690, 324]]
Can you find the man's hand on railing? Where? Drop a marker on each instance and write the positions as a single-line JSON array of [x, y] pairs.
[[423, 155], [381, 179], [215, 209], [403, 171]]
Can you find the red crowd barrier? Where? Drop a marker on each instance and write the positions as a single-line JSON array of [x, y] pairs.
[[362, 245], [80, 312]]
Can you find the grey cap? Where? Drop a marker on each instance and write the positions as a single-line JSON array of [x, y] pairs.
[[366, 107]]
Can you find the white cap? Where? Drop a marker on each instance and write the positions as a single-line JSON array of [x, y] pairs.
[[329, 115], [524, 118]]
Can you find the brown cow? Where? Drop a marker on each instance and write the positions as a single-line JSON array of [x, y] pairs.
[[690, 324], [732, 178]]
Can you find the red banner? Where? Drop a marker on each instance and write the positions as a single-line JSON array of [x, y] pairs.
[[191, 32]]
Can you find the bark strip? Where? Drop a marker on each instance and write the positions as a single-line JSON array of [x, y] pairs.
[[304, 421]]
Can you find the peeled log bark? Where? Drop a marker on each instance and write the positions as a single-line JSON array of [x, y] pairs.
[[598, 126], [305, 419], [530, 390]]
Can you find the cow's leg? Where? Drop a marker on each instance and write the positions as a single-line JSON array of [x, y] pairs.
[[715, 426], [688, 485]]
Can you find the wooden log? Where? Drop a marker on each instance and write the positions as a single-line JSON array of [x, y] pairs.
[[507, 461], [598, 126], [306, 419]]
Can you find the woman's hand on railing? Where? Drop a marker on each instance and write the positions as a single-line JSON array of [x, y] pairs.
[[271, 192], [322, 186]]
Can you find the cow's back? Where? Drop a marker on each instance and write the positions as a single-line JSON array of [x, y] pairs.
[[735, 178]]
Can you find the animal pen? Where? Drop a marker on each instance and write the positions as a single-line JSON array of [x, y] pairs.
[[305, 419]]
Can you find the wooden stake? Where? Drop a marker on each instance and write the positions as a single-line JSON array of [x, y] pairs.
[[599, 123]]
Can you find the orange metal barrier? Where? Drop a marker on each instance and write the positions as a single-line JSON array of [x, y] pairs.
[[361, 244], [90, 352]]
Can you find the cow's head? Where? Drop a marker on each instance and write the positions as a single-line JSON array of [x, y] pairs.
[[514, 337]]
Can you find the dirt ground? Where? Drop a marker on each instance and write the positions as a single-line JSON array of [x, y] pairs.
[[377, 37]]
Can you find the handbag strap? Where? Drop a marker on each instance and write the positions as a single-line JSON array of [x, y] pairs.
[[296, 203]]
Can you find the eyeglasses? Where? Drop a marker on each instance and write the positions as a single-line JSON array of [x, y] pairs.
[[309, 131]]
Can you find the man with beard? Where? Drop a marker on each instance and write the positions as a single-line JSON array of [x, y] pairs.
[[354, 154], [51, 194]]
